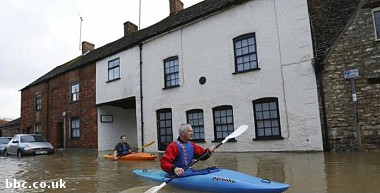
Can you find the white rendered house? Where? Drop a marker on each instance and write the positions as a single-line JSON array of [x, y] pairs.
[[215, 65]]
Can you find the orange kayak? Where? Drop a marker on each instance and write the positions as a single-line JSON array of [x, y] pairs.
[[134, 156]]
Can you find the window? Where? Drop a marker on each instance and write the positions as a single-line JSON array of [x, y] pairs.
[[267, 118], [171, 68], [164, 126], [37, 128], [245, 53], [75, 128], [196, 120], [75, 92], [38, 102], [376, 20], [223, 122], [114, 69]]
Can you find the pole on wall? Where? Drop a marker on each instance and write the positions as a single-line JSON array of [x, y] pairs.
[[64, 130], [352, 75]]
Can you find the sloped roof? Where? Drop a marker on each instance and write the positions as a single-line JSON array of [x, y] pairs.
[[328, 20], [14, 122], [183, 17], [371, 3]]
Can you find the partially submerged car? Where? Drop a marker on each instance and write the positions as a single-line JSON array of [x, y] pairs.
[[28, 144], [3, 144]]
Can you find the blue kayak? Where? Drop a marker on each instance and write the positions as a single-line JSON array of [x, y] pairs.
[[221, 180]]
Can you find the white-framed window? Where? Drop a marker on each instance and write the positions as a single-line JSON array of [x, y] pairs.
[[75, 127], [74, 92]]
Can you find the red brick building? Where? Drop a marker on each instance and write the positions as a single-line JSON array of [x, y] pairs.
[[61, 105]]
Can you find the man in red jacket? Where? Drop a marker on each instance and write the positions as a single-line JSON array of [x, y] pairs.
[[182, 151]]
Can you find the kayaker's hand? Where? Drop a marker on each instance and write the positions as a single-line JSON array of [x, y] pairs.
[[178, 171], [212, 148]]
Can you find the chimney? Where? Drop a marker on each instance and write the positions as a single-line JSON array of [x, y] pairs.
[[130, 28], [87, 46], [175, 6]]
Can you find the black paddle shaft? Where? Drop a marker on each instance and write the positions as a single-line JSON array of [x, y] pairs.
[[192, 163]]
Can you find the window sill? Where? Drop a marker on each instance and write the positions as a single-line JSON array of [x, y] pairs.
[[175, 86], [198, 140], [268, 138], [113, 80], [73, 102], [75, 138], [220, 140], [250, 70]]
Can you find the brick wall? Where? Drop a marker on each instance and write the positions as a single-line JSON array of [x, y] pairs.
[[58, 100]]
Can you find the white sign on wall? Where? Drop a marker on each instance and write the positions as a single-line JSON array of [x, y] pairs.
[[353, 73]]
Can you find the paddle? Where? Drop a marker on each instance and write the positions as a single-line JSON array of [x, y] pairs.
[[234, 134], [146, 145]]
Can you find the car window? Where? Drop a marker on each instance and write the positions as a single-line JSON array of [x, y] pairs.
[[39, 138], [27, 138], [4, 140]]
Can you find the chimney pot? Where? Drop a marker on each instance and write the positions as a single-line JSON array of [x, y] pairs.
[[130, 28], [175, 6], [87, 46]]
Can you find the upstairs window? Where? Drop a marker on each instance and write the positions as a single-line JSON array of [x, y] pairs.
[[376, 21], [267, 118], [75, 92], [114, 69], [38, 102], [171, 72], [245, 53], [196, 120]]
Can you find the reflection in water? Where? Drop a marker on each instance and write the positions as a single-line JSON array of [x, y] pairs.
[[88, 171]]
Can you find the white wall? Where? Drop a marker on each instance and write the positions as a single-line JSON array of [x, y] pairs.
[[205, 48], [124, 123], [129, 82]]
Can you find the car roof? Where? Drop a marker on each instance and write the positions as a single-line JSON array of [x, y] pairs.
[[27, 135]]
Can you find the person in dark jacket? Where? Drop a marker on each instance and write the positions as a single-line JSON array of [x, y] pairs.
[[122, 148], [182, 151]]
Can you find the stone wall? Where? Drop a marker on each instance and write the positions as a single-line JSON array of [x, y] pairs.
[[356, 49]]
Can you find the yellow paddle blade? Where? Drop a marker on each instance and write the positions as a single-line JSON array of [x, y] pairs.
[[148, 144]]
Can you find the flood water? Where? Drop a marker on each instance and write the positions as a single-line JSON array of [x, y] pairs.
[[87, 171]]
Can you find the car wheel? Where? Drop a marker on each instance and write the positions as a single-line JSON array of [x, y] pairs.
[[19, 154], [5, 152]]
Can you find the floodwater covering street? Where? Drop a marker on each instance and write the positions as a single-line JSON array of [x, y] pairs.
[[87, 171]]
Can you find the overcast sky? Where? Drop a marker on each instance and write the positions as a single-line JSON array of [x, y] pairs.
[[38, 35]]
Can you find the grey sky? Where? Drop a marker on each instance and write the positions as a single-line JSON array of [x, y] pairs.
[[38, 35]]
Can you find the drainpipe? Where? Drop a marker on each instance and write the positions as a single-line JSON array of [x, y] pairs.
[[141, 98], [47, 111], [326, 144]]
